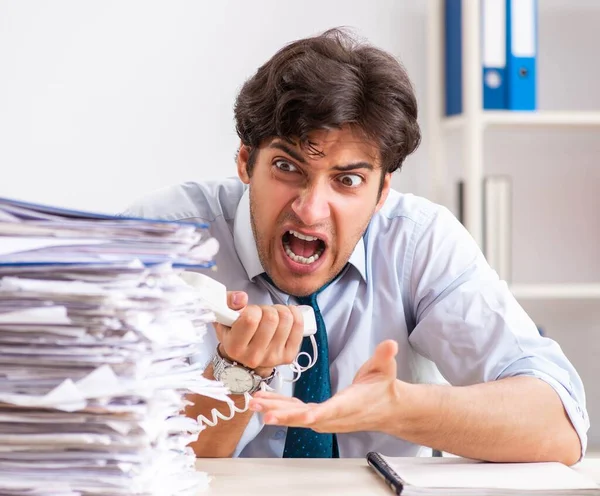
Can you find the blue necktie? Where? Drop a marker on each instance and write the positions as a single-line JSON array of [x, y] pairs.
[[313, 386]]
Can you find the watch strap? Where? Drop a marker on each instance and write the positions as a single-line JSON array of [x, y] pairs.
[[221, 363]]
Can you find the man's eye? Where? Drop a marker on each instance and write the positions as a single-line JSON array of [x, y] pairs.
[[351, 180], [285, 166]]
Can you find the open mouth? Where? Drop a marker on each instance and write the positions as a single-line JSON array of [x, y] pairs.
[[301, 248]]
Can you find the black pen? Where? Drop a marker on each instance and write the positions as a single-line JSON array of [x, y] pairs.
[[390, 477]]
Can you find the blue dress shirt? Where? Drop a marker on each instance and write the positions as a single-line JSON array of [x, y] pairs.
[[417, 276]]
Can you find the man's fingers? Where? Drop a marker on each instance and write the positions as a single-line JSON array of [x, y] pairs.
[[220, 331], [294, 338], [290, 416], [260, 337], [270, 404], [283, 410], [236, 300], [269, 395], [259, 343], [276, 348], [340, 413], [237, 338]]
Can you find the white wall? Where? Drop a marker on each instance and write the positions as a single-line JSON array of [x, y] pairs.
[[101, 102]]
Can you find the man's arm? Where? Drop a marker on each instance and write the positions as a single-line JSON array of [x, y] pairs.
[[510, 420], [517, 419], [221, 440], [262, 338], [471, 326]]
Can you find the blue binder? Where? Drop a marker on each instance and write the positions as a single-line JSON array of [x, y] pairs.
[[493, 53], [453, 55], [522, 51], [494, 45]]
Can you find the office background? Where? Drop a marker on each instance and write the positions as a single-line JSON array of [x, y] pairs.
[[102, 102]]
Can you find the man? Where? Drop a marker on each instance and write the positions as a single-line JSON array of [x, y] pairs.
[[397, 284]]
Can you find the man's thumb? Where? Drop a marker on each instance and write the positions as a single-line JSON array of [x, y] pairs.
[[385, 351], [382, 361], [236, 300]]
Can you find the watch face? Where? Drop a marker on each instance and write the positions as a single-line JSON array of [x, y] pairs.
[[237, 379]]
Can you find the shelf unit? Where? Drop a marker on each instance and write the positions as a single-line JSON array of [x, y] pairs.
[[556, 291], [528, 119], [473, 123]]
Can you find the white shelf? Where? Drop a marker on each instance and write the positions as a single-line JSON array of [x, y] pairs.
[[473, 124], [539, 118], [555, 291]]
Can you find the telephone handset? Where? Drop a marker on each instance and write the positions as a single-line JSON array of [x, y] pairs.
[[214, 296]]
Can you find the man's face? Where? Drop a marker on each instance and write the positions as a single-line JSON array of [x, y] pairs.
[[310, 205]]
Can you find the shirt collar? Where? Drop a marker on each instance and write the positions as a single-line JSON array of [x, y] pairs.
[[245, 244], [243, 238]]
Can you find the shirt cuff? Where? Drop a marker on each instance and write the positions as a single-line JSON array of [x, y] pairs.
[[256, 424], [250, 432], [577, 415]]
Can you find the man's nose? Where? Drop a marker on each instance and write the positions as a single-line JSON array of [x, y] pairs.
[[312, 205]]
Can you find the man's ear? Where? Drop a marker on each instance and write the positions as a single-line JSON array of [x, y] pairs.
[[387, 181], [242, 163]]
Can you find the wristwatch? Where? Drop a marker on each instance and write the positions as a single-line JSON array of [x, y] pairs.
[[235, 377]]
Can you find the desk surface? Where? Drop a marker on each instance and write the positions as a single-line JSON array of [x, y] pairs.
[[314, 477]]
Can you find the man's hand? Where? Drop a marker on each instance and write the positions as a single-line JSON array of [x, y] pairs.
[[364, 406], [263, 337]]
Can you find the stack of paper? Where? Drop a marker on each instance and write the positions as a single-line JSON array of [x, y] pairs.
[[96, 331]]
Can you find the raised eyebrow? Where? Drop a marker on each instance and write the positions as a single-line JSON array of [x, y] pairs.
[[352, 167], [290, 151], [299, 158]]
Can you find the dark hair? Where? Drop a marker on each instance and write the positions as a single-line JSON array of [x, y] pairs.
[[327, 81]]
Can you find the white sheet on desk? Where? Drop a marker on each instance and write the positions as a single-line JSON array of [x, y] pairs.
[[21, 219], [131, 268], [16, 285], [103, 383], [460, 474], [48, 315], [45, 289], [183, 483], [58, 245], [17, 244]]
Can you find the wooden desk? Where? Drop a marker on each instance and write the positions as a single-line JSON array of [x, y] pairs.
[[309, 477]]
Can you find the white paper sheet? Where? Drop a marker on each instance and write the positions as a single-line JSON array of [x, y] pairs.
[[459, 474], [16, 244]]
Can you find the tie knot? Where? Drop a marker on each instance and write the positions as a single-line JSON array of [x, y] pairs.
[[311, 299]]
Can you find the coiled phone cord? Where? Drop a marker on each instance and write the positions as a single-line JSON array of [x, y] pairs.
[[296, 368]]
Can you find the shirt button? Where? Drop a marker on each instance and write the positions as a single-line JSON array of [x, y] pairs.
[[279, 434]]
